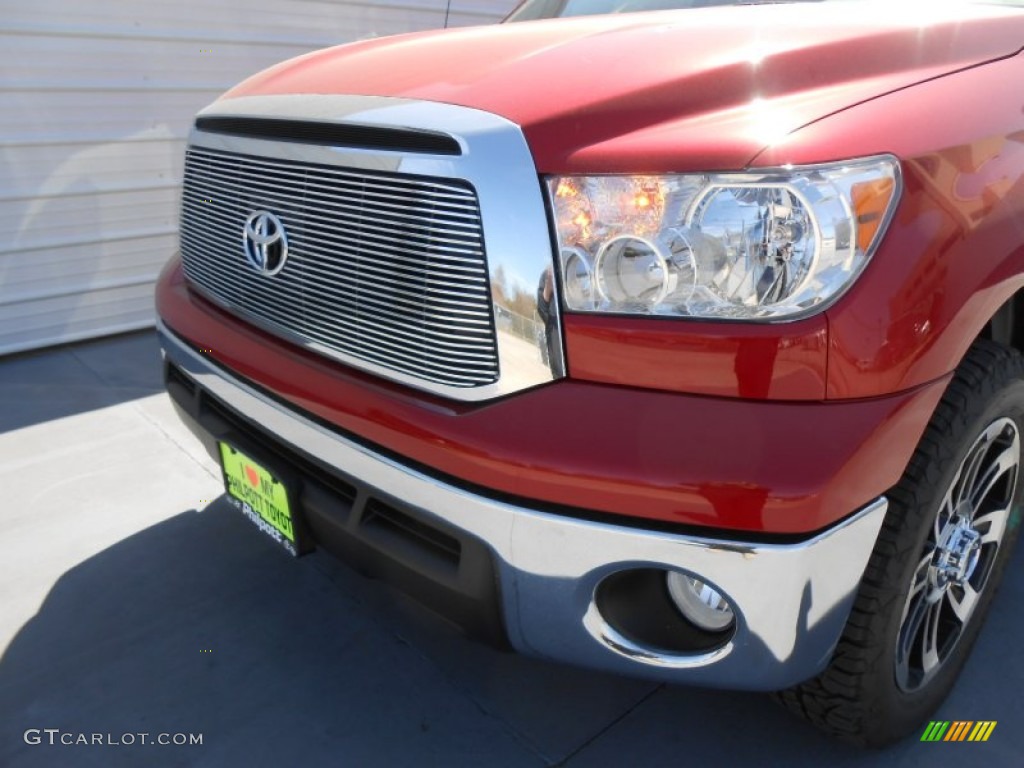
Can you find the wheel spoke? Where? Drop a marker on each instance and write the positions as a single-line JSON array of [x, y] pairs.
[[949, 577], [913, 617], [930, 638], [945, 513], [982, 485], [993, 523], [920, 578], [962, 605], [916, 599], [966, 479]]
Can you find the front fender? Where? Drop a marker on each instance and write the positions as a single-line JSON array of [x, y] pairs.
[[954, 253]]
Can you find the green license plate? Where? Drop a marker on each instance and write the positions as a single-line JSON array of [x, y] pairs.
[[260, 496]]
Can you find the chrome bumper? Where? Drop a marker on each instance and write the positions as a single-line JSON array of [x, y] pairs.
[[791, 601]]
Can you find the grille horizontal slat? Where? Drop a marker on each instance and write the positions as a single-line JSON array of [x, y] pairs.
[[444, 327], [378, 198], [462, 217], [426, 341], [339, 176], [456, 267], [419, 362], [379, 234], [383, 269], [451, 260]]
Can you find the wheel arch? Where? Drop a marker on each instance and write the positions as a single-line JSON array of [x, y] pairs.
[[1006, 326]]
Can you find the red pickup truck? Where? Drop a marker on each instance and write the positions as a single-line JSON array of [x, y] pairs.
[[673, 341]]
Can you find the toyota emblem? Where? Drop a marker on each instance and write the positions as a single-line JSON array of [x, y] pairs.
[[265, 243]]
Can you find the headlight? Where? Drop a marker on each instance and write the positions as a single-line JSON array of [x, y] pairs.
[[738, 246]]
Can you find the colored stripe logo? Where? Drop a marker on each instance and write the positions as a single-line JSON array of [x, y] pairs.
[[958, 730]]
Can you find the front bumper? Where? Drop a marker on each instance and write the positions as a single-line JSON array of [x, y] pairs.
[[791, 600]]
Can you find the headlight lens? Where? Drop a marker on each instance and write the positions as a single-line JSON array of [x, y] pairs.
[[745, 246]]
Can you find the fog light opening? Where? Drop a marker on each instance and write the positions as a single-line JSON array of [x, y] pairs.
[[699, 603], [636, 604]]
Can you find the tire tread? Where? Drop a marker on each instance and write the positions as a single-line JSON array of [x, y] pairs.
[[838, 700]]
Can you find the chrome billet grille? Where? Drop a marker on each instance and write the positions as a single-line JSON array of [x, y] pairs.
[[384, 269]]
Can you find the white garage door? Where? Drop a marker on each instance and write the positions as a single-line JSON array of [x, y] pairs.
[[96, 99]]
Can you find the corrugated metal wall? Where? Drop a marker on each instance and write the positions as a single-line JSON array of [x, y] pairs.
[[96, 99]]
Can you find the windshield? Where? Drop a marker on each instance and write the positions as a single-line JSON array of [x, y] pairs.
[[552, 9]]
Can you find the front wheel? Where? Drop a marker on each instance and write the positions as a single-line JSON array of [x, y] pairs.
[[952, 522]]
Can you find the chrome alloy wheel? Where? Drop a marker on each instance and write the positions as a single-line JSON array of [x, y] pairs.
[[953, 569]]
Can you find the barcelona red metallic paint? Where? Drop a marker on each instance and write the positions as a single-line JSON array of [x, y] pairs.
[[739, 90], [954, 253], [716, 462], [710, 424], [784, 361], [676, 91]]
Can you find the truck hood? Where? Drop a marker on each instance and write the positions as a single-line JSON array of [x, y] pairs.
[[702, 89]]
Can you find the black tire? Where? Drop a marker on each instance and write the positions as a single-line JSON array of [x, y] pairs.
[[873, 694]]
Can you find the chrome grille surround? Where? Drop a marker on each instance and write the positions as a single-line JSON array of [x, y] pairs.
[[399, 264]]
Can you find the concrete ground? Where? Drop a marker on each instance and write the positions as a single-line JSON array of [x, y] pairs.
[[133, 599]]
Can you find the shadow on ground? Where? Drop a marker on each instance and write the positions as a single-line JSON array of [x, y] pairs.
[[63, 381], [199, 625]]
